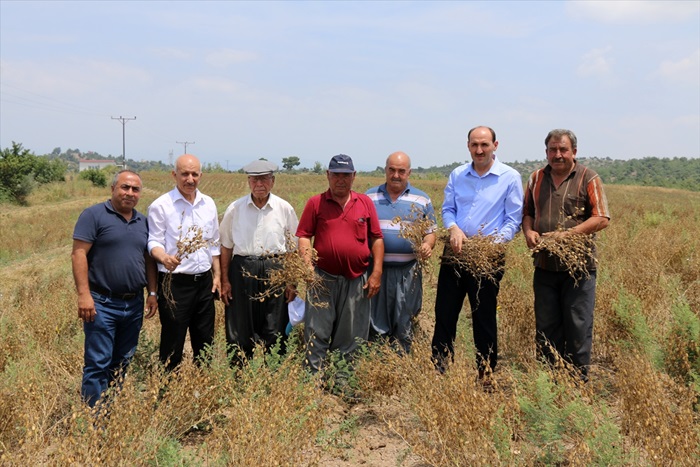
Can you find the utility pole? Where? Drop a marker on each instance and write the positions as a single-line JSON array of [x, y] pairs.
[[185, 143], [123, 120]]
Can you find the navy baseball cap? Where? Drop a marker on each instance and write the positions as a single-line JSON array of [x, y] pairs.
[[342, 164]]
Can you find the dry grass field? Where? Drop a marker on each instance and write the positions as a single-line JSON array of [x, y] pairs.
[[641, 406]]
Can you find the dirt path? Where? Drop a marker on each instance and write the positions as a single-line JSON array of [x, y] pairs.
[[369, 440]]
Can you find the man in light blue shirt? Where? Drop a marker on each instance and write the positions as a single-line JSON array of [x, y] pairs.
[[484, 197]]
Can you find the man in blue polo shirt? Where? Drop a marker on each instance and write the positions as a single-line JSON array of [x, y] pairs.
[[400, 296], [111, 266]]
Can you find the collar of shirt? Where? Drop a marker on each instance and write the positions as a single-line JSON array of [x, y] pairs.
[[267, 205], [178, 197], [135, 215], [326, 195], [548, 169], [385, 192], [497, 168]]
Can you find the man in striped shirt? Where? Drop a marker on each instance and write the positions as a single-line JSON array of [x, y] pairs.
[[400, 296], [562, 199]]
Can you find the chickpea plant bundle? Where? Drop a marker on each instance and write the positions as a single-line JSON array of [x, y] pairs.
[[573, 250], [188, 243], [295, 272], [414, 228], [481, 255]]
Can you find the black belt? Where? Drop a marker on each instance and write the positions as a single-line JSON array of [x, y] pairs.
[[121, 296], [182, 277], [261, 257]]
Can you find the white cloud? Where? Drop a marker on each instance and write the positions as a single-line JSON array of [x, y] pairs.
[[222, 58], [686, 70], [631, 11], [174, 53], [596, 62], [72, 77]]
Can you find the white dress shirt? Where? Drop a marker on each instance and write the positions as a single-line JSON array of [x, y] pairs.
[[252, 231], [169, 219]]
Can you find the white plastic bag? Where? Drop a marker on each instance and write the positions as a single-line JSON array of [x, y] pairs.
[[296, 311]]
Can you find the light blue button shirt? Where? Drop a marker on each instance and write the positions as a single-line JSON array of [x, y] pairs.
[[490, 204]]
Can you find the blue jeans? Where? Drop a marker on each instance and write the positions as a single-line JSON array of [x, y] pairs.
[[110, 342]]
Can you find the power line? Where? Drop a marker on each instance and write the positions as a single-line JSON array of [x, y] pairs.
[[123, 120], [185, 143]]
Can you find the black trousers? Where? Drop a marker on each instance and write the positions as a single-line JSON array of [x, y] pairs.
[[193, 311], [453, 285], [250, 321]]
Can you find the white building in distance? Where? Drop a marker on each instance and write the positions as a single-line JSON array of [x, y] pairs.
[[85, 164]]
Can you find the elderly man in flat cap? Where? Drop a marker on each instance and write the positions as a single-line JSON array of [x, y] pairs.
[[253, 237]]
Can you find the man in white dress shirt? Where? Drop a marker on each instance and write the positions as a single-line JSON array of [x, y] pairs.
[[253, 239], [178, 215]]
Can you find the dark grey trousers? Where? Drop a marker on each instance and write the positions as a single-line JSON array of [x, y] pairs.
[[343, 324], [564, 316]]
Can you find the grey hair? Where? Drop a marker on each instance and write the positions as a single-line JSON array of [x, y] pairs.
[[558, 134], [116, 175]]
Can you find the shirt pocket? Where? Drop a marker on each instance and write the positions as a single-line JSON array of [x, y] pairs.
[[574, 206], [361, 229]]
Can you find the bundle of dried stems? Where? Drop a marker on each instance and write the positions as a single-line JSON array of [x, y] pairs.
[[187, 243], [574, 251], [414, 228], [481, 255], [294, 272]]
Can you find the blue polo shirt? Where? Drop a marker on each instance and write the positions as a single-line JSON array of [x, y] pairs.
[[115, 260], [398, 250]]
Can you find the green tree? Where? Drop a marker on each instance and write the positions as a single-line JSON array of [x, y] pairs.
[[290, 162], [96, 176], [21, 171], [318, 168]]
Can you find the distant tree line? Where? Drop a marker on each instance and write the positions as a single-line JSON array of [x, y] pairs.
[[678, 172], [21, 170]]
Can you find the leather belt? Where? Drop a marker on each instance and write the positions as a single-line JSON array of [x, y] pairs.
[[107, 293], [191, 277]]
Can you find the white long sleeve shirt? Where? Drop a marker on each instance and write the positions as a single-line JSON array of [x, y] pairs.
[[169, 219]]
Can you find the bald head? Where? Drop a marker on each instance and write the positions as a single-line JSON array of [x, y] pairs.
[[187, 173], [398, 158], [397, 170], [188, 160]]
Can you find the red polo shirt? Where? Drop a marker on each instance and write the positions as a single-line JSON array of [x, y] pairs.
[[341, 237]]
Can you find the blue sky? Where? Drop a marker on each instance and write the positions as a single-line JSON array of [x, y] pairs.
[[244, 80]]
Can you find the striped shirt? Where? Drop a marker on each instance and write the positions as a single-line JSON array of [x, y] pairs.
[[398, 250], [578, 198]]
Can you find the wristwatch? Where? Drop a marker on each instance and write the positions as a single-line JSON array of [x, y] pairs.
[[152, 294]]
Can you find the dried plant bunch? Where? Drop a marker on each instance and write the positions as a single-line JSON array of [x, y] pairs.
[[414, 228], [293, 272], [191, 241], [481, 255], [572, 249], [188, 243]]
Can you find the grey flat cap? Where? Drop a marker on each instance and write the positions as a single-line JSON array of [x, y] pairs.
[[260, 167]]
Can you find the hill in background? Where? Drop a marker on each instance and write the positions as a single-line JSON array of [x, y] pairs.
[[677, 172]]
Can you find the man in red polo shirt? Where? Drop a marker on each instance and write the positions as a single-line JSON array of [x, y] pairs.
[[346, 234]]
